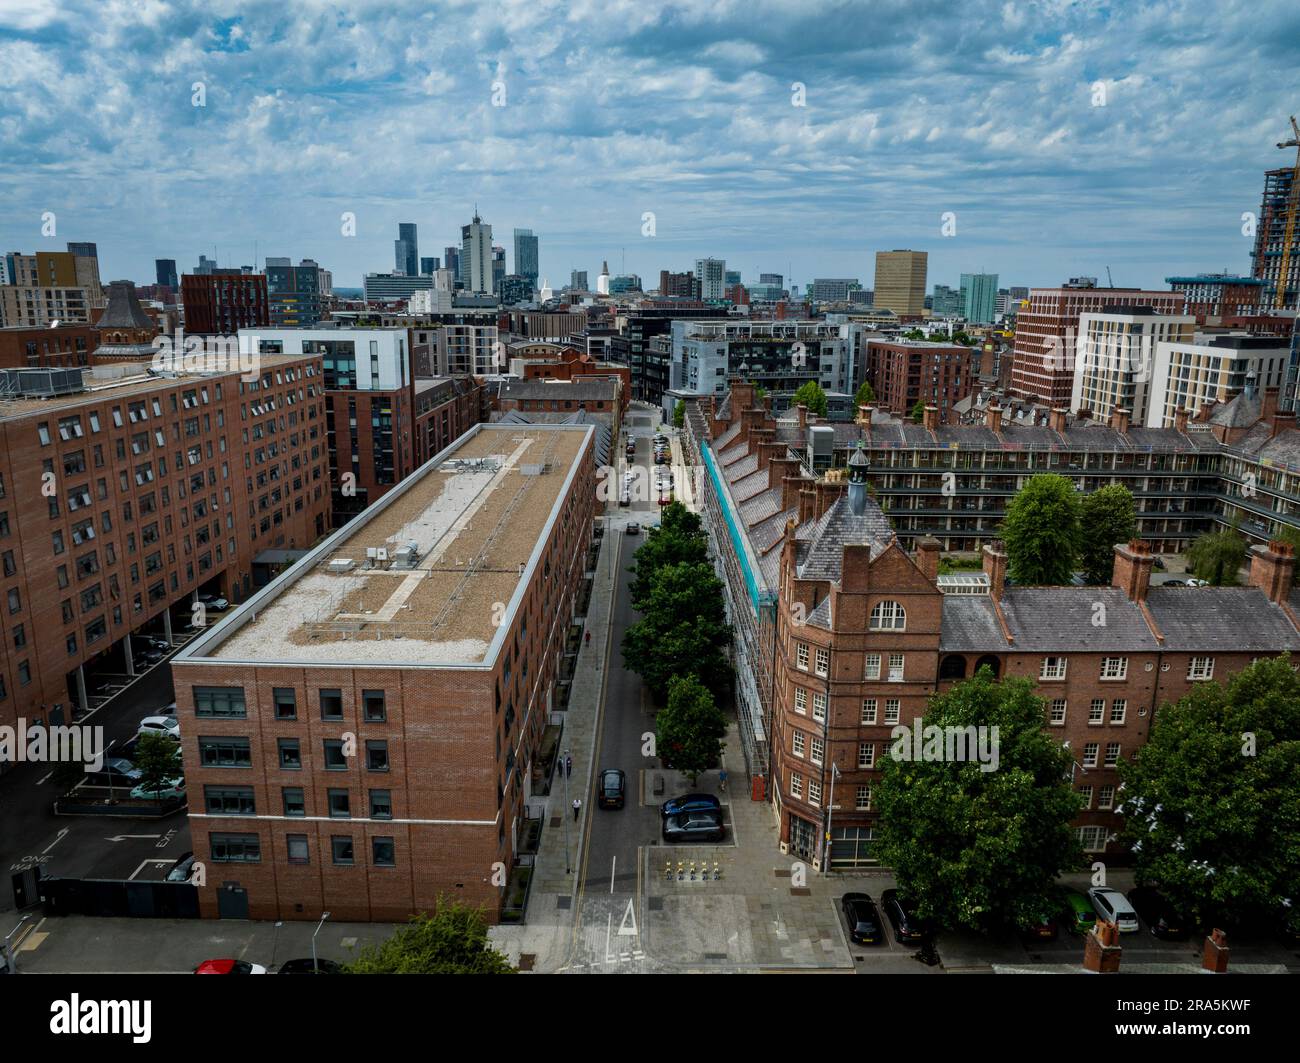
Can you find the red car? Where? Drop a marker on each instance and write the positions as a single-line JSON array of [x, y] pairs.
[[229, 967]]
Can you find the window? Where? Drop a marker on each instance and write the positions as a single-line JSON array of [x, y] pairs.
[[1092, 839], [1057, 712], [1114, 667], [381, 804], [286, 704], [299, 852], [340, 804], [372, 702], [331, 704], [1053, 668], [823, 660], [801, 701], [341, 849], [290, 753], [335, 759], [873, 666], [1090, 751], [219, 702], [796, 784], [888, 616], [236, 848], [866, 754], [1106, 797], [801, 655], [895, 667], [862, 801], [1096, 711], [1085, 796], [819, 706], [892, 707], [814, 792], [229, 800], [797, 743], [818, 749], [383, 853], [1118, 710], [1112, 754], [869, 710], [1200, 668], [376, 756], [294, 802], [225, 753]]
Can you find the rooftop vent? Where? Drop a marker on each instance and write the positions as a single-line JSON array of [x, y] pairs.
[[40, 383], [341, 564]]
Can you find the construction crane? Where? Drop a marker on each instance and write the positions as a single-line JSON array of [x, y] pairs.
[[1293, 205]]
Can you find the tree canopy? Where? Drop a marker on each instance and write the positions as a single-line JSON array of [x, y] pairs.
[[865, 394], [453, 940], [1041, 531], [1106, 517], [690, 729], [810, 394], [1217, 557], [683, 629]]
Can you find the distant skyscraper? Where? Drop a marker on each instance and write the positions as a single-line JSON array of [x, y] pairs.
[[578, 280], [476, 256], [429, 266], [946, 302], [498, 268], [451, 260], [602, 282], [406, 250], [979, 293], [776, 280], [900, 282], [165, 272], [712, 273], [1277, 241], [832, 289], [526, 254]]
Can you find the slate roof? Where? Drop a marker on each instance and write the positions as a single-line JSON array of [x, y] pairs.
[[1221, 618], [821, 549], [1240, 412], [969, 625], [123, 310], [1061, 618], [821, 616]]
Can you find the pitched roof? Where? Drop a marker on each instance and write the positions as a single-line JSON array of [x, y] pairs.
[[124, 310], [821, 553], [1221, 618]]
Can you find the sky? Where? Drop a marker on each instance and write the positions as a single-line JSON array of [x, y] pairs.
[[1038, 140]]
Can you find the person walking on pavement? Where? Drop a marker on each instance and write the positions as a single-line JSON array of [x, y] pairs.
[[577, 805], [722, 780], [568, 766]]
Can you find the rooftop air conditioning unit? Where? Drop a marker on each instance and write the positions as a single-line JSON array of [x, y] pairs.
[[341, 564]]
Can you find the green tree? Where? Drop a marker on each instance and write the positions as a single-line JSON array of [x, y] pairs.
[[1106, 517], [1217, 556], [1041, 530], [690, 729], [679, 538], [683, 630], [811, 395], [1212, 802], [760, 392], [679, 414], [451, 941], [155, 756], [866, 394], [981, 849], [918, 411]]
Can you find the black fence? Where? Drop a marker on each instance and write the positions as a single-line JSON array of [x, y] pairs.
[[108, 897]]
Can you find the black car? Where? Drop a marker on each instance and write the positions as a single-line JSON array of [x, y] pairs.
[[863, 919], [611, 788], [305, 966], [907, 928], [694, 827], [116, 771], [674, 806], [1159, 915]]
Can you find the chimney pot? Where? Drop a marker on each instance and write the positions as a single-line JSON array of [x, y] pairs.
[[1214, 956], [1272, 569], [1180, 419], [1132, 569], [995, 567], [930, 418]]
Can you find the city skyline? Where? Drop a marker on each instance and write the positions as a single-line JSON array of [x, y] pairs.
[[793, 160]]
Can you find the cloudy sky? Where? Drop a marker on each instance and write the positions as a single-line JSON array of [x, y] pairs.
[[1061, 137]]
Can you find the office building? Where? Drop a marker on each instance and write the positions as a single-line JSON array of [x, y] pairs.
[[387, 631], [476, 257], [1276, 254], [451, 260], [832, 289], [624, 283], [679, 285], [393, 287], [429, 266], [946, 302], [1116, 358], [712, 274], [578, 280], [406, 250], [1211, 297], [978, 295], [514, 290], [900, 283], [526, 255], [165, 273], [293, 293]]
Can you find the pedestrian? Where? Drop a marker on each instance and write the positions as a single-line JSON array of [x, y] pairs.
[[568, 766], [577, 805], [722, 780]]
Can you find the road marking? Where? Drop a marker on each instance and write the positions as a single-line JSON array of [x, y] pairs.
[[124, 837], [137, 871], [63, 833], [624, 930], [612, 864], [45, 779]]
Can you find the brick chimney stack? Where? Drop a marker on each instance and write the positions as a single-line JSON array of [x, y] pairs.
[[1119, 419], [1132, 571], [1101, 950], [995, 567], [1180, 419], [1214, 956], [930, 418], [927, 557], [801, 411], [1272, 569], [1057, 418], [993, 418], [807, 501]]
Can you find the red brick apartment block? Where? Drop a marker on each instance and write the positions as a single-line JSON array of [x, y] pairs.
[[905, 372], [361, 737], [223, 303]]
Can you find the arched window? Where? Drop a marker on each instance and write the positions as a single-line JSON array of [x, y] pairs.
[[953, 667], [888, 616], [988, 659]]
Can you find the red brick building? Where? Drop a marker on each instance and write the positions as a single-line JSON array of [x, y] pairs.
[[364, 738], [905, 372], [117, 505], [223, 303]]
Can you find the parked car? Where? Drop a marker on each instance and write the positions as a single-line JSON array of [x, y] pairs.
[[625, 499], [611, 788], [1158, 914], [160, 725], [694, 827], [229, 967], [1158, 564], [1045, 929], [214, 602], [145, 659], [634, 529], [1193, 582], [169, 788], [1078, 912], [1173, 583], [153, 642], [182, 869], [116, 771], [863, 919], [907, 927], [310, 966], [1113, 907], [129, 747], [675, 806]]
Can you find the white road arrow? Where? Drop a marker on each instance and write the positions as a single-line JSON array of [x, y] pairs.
[[124, 837], [624, 930], [57, 838]]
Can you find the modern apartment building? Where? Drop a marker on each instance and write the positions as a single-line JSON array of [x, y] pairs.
[[361, 737], [1277, 242], [1211, 368], [979, 292], [679, 285], [712, 275], [1116, 358], [476, 256], [163, 487], [224, 303], [1211, 297], [468, 349], [1047, 329], [900, 283], [842, 634], [905, 372], [293, 293]]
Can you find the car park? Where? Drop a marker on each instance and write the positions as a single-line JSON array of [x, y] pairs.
[[165, 725], [1078, 912], [907, 927], [863, 919], [1044, 929], [1113, 907], [611, 788], [690, 803], [165, 791], [116, 771], [129, 747], [693, 827], [182, 869], [309, 966], [229, 967], [214, 602], [1158, 914]]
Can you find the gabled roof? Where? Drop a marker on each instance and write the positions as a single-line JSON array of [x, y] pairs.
[[821, 554]]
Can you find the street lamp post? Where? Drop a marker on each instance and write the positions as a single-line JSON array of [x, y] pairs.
[[830, 812], [112, 795], [315, 967], [568, 867]]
